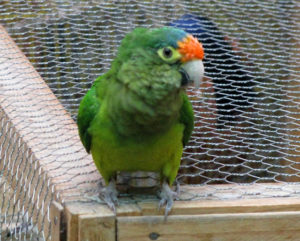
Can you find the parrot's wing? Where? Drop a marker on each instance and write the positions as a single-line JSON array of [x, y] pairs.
[[88, 109], [187, 118]]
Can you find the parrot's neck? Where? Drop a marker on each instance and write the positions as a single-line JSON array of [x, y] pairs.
[[134, 115]]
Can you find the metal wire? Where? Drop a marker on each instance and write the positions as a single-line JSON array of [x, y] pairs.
[[247, 109]]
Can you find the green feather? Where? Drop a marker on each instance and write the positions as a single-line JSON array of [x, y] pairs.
[[89, 106], [187, 118]]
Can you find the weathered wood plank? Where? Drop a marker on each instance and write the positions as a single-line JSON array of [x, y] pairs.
[[224, 199], [224, 206], [222, 227], [97, 227], [84, 219], [251, 236], [56, 217]]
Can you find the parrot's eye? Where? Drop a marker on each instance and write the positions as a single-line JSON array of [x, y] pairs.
[[169, 54]]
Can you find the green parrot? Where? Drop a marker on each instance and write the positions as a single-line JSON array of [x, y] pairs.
[[137, 116]]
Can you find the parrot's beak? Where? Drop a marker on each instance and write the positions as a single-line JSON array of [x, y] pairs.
[[192, 54], [185, 78], [193, 71]]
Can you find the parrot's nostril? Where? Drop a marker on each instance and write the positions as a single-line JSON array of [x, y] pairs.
[[185, 79]]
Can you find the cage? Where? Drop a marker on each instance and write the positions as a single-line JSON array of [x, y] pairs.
[[240, 172]]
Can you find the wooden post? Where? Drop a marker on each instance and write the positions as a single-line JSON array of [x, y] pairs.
[[58, 232], [90, 222]]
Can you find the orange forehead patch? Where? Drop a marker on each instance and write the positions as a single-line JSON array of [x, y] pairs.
[[190, 48]]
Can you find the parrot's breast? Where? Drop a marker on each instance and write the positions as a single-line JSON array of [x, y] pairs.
[[159, 153]]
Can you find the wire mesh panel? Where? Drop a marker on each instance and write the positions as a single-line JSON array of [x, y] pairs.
[[247, 108]]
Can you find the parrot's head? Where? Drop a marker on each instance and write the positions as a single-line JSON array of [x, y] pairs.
[[157, 62]]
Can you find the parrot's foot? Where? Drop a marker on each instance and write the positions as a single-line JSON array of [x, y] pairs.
[[167, 198], [110, 195]]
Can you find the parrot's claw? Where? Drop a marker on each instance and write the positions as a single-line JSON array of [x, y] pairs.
[[110, 195], [167, 198]]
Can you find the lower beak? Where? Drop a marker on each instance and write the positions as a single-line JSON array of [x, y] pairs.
[[185, 78], [192, 71]]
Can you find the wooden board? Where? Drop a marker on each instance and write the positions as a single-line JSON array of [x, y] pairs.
[[218, 227]]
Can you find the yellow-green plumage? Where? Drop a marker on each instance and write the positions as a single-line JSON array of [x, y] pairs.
[[160, 153], [137, 117]]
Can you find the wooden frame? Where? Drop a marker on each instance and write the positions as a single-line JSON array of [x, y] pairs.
[[240, 219], [50, 140]]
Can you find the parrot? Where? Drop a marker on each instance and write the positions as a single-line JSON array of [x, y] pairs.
[[137, 115], [233, 85]]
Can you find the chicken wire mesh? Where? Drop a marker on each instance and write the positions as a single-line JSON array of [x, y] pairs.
[[247, 108]]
